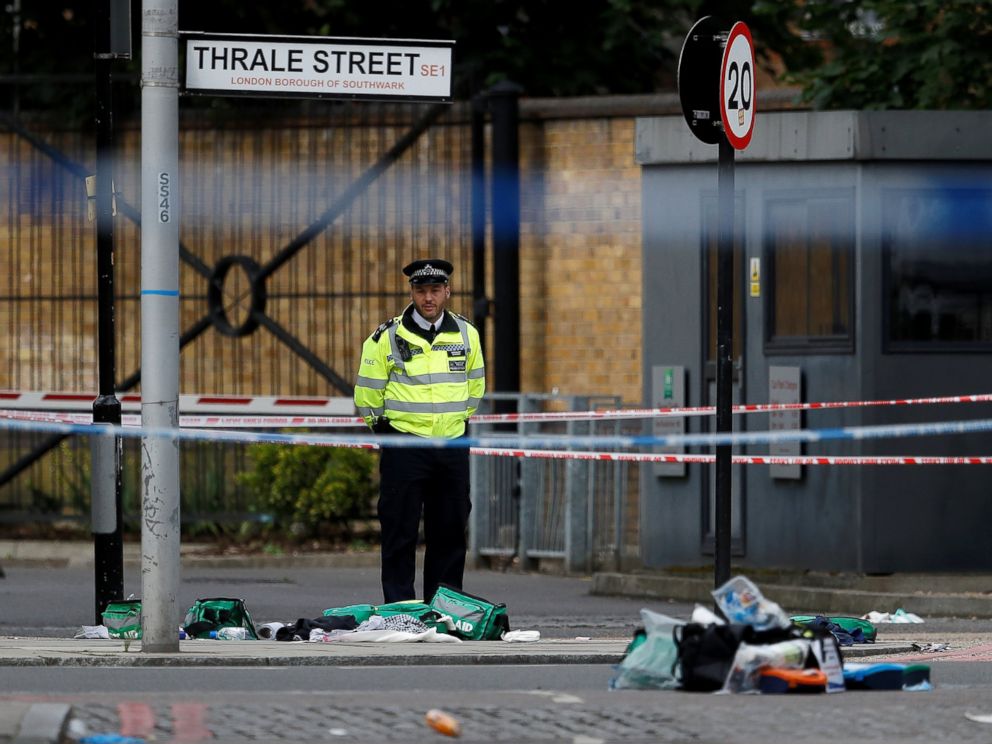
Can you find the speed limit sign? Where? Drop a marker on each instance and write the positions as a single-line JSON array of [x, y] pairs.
[[737, 98]]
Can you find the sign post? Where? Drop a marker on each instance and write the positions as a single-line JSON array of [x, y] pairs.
[[160, 496], [737, 87], [733, 94], [112, 37]]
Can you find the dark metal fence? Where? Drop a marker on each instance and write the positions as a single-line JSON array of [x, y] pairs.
[[294, 228], [574, 511]]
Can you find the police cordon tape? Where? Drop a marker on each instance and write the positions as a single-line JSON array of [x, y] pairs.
[[502, 445], [200, 421], [647, 457], [56, 402], [633, 413], [189, 403]]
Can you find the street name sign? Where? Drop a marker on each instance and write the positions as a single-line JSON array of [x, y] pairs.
[[737, 98], [317, 67]]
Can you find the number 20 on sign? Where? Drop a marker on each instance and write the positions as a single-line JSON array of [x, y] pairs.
[[737, 94]]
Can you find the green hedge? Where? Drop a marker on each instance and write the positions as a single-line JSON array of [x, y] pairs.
[[310, 486]]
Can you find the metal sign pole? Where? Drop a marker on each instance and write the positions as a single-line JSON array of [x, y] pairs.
[[716, 90], [105, 486], [737, 105], [160, 540], [724, 360]]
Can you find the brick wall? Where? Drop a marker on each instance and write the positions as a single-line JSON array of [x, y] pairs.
[[581, 258], [251, 189]]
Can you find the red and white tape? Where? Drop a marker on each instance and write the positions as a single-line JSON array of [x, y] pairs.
[[633, 413], [207, 404], [84, 424], [196, 421], [641, 457], [290, 411]]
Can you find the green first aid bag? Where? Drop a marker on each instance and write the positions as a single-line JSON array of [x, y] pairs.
[[415, 608], [215, 613], [422, 612], [847, 623], [123, 619], [475, 618], [361, 612]]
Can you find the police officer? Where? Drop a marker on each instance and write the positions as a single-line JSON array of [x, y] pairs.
[[422, 374]]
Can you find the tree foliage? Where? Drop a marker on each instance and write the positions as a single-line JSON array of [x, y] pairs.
[[845, 53], [580, 48], [928, 54]]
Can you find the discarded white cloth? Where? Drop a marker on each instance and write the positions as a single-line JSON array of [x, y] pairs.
[[267, 631], [381, 636], [522, 636], [899, 616], [931, 648], [93, 631], [402, 623]]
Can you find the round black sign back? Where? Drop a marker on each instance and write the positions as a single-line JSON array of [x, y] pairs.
[[699, 78]]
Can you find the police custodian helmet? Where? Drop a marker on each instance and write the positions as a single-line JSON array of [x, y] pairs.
[[429, 271]]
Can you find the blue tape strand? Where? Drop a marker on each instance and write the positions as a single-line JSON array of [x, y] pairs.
[[890, 431]]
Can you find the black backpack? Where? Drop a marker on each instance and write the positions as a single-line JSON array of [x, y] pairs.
[[706, 652]]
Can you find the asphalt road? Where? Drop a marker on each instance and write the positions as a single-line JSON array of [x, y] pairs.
[[281, 710], [552, 703], [368, 679]]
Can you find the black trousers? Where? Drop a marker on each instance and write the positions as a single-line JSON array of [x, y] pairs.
[[433, 482]]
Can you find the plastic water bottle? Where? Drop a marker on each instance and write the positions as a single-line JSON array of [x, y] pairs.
[[230, 634]]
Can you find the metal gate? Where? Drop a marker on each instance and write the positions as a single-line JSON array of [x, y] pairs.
[[531, 508], [294, 230]]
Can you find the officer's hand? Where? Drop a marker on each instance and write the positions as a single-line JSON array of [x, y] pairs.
[[382, 426]]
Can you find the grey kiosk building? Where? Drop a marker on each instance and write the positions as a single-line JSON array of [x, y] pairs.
[[863, 271]]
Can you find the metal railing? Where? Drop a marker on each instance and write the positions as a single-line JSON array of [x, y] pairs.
[[564, 509]]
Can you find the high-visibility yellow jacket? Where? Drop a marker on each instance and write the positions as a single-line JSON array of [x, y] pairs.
[[422, 388]]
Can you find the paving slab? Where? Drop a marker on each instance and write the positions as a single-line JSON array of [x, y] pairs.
[[70, 652], [942, 596], [33, 722]]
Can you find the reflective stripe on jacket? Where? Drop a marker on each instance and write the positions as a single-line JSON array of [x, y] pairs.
[[434, 391]]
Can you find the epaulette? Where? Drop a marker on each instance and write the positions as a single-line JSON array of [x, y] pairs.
[[382, 329], [458, 315]]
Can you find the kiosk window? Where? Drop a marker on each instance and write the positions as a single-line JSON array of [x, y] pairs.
[[809, 253], [938, 269]]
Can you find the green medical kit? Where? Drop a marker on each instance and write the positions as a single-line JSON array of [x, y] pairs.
[[215, 613], [122, 619], [475, 618], [415, 608]]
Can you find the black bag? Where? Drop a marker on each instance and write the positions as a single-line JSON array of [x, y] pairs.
[[706, 652]]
